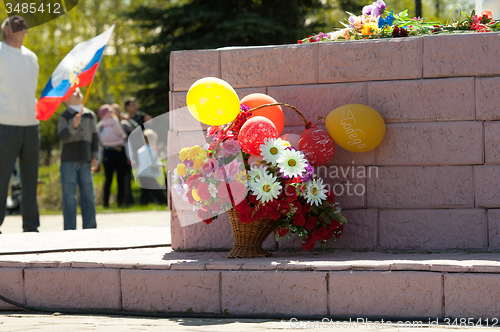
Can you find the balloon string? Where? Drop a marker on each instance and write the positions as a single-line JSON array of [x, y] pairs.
[[287, 105], [262, 106]]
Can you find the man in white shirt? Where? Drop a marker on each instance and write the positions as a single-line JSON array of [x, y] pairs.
[[19, 133]]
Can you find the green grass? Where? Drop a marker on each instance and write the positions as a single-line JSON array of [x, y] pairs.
[[50, 193]]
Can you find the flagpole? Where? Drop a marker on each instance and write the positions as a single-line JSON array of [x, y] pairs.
[[93, 76]]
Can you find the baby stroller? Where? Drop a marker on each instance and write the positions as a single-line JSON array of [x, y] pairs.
[[13, 205]]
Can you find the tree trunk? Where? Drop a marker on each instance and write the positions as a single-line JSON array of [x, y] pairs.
[[418, 8]]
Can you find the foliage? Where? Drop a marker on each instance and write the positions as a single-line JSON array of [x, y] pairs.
[[209, 24], [50, 193]]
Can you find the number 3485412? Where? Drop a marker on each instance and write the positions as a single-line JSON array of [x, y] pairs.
[[24, 8]]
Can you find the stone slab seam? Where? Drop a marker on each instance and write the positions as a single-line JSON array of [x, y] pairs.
[[443, 305], [474, 191], [24, 288], [487, 229], [220, 293], [327, 293], [484, 142], [475, 102], [316, 62], [120, 291], [378, 225]]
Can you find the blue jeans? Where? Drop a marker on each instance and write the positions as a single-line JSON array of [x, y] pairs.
[[73, 173]]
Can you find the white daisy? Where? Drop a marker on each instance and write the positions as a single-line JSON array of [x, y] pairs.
[[272, 148], [213, 190], [315, 192], [266, 188], [256, 172], [292, 163]]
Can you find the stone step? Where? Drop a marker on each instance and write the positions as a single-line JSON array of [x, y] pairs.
[[330, 284]]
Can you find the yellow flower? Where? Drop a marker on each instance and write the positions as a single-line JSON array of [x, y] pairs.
[[197, 163], [183, 154], [203, 153], [193, 152], [194, 192], [242, 177], [181, 169], [369, 29]]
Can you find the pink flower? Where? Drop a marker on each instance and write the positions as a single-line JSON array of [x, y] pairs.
[[220, 174], [230, 148], [232, 169], [209, 166], [212, 130]]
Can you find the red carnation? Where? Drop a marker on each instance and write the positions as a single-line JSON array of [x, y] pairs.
[[222, 192], [282, 231], [203, 191], [238, 191], [331, 197], [204, 214], [298, 206], [308, 245], [193, 181], [190, 198], [291, 192], [334, 224], [299, 220], [319, 234], [215, 206], [311, 223], [275, 214]]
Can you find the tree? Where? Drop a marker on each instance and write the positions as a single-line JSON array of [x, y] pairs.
[[208, 24]]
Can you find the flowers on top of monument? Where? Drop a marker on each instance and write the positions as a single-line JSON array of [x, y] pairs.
[[376, 21]]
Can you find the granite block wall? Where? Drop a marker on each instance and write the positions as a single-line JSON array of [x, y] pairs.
[[433, 183]]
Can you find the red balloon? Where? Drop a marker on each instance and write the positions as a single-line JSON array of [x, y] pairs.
[[254, 132], [317, 146], [273, 113]]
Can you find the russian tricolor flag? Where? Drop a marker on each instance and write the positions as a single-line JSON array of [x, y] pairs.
[[77, 69]]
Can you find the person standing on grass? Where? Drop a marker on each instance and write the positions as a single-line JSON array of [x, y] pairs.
[[112, 137], [128, 126], [19, 132], [137, 117], [79, 153]]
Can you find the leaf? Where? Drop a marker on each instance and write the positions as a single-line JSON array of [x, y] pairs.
[[340, 218], [325, 218]]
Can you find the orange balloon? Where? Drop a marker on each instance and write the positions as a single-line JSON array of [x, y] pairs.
[[273, 113]]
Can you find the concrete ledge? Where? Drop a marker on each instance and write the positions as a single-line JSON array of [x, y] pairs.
[[334, 283]]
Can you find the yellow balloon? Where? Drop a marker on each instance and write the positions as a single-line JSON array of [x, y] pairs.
[[356, 127], [213, 101]]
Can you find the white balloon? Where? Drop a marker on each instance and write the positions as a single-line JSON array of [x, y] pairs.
[[254, 160]]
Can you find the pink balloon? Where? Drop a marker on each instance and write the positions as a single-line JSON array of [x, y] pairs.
[[293, 139], [254, 132]]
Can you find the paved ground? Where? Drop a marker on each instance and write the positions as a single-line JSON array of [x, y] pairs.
[[10, 321], [51, 223]]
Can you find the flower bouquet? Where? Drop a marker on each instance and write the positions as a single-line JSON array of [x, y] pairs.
[[262, 181], [377, 22]]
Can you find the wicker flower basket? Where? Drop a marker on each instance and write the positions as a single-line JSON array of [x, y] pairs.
[[248, 238]]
